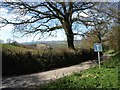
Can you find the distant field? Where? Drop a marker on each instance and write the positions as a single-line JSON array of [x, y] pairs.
[[55, 43]]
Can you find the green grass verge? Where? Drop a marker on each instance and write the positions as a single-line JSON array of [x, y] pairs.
[[105, 77]]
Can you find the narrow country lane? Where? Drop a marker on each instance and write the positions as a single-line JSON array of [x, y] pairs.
[[33, 80]]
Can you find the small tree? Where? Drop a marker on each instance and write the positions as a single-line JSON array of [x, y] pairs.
[[9, 40]]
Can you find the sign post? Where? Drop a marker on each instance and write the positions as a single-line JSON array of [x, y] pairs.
[[99, 59], [98, 48]]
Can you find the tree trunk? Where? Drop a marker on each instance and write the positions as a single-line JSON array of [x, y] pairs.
[[99, 37], [70, 41], [69, 34], [67, 25]]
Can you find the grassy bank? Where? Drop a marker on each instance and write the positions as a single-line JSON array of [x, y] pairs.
[[105, 77]]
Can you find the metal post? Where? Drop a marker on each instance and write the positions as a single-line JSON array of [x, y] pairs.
[[99, 58]]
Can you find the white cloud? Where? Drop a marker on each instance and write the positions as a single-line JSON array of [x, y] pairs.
[[81, 14], [25, 17], [3, 11], [12, 15], [7, 28], [59, 37], [5, 32], [4, 14]]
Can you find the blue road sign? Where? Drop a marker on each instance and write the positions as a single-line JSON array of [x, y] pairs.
[[97, 47]]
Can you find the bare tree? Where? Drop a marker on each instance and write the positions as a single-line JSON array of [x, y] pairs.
[[100, 29], [50, 16], [9, 40], [104, 19]]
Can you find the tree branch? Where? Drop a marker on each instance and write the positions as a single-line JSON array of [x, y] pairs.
[[55, 9], [84, 6]]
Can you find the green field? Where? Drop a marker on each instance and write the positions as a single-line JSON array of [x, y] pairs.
[[105, 77]]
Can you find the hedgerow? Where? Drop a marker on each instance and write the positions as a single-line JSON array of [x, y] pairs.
[[19, 60]]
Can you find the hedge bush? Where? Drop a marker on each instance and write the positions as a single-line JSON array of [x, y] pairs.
[[19, 60]]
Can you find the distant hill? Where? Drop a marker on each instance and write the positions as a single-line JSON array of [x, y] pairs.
[[53, 43]]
